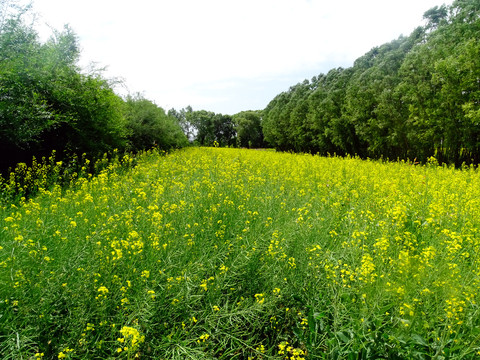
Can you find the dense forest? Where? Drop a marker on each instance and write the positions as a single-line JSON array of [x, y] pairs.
[[414, 97]]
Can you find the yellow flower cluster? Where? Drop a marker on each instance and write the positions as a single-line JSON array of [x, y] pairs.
[[290, 352], [130, 340]]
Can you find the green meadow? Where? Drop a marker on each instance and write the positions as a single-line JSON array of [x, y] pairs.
[[214, 253]]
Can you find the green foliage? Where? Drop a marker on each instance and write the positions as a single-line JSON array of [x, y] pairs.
[[435, 16], [274, 122], [148, 126], [208, 128], [248, 125], [413, 97], [183, 118], [47, 103], [224, 130], [24, 112]]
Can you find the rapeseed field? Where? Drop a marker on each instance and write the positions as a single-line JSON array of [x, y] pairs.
[[210, 253]]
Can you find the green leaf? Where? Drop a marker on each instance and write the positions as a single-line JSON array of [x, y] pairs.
[[342, 336], [417, 339]]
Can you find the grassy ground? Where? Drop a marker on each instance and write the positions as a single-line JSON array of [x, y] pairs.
[[238, 254]]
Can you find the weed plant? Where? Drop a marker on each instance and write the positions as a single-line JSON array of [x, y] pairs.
[[240, 254], [26, 180]]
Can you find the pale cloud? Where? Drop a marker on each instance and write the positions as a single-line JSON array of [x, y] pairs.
[[214, 54]]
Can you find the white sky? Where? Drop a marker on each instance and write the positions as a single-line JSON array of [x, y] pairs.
[[226, 55]]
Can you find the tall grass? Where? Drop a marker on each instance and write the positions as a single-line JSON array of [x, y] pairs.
[[240, 254]]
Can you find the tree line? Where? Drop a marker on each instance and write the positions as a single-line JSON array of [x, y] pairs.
[[415, 97], [412, 98], [206, 128], [47, 103]]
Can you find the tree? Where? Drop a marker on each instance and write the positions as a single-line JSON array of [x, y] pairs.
[[373, 105], [148, 126], [184, 119], [202, 121], [24, 113], [325, 108], [435, 16], [11, 10], [46, 103], [224, 130], [276, 121], [466, 11], [210, 128], [248, 125], [414, 97]]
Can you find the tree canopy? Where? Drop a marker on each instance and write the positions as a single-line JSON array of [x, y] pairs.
[[206, 128], [47, 103], [414, 97], [248, 126]]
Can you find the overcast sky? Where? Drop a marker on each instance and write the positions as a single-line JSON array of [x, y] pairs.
[[226, 55]]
